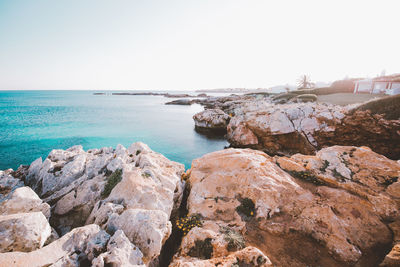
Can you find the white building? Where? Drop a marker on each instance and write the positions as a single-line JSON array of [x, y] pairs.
[[377, 86]]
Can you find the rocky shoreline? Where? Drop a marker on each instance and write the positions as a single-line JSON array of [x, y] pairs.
[[308, 184]]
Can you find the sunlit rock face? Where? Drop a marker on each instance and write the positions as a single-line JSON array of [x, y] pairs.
[[330, 209], [307, 127], [211, 120], [134, 190]]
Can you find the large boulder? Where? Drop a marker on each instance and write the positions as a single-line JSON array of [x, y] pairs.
[[24, 200], [23, 231], [307, 127], [323, 210], [211, 120]]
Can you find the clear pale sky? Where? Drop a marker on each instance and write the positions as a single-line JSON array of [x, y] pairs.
[[193, 44]]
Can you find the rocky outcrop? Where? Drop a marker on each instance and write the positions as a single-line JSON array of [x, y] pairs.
[[185, 102], [131, 192], [305, 128], [324, 210], [73, 181], [77, 248], [211, 120]]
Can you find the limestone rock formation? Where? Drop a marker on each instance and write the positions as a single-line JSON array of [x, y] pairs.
[[143, 202], [24, 200], [120, 252], [307, 127], [324, 210], [23, 231], [213, 120], [72, 181], [133, 192], [8, 183], [77, 248]]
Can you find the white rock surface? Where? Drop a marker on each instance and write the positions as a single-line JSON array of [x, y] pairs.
[[120, 252], [211, 119], [79, 244], [24, 200], [23, 232], [147, 229]]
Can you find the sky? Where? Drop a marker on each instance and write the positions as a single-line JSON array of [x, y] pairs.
[[193, 44]]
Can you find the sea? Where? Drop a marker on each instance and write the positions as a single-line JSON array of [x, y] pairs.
[[32, 123]]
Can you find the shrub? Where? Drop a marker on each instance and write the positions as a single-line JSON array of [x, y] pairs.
[[246, 207], [307, 98], [202, 249], [188, 223], [235, 240], [112, 181], [325, 165], [306, 176]]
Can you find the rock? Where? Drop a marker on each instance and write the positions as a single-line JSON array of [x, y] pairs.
[[249, 256], [213, 120], [144, 201], [73, 182], [24, 200], [147, 229], [303, 213], [393, 258], [8, 183], [180, 102], [120, 252], [307, 127], [77, 248], [23, 232]]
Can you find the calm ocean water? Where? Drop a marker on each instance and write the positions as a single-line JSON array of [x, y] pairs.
[[32, 123]]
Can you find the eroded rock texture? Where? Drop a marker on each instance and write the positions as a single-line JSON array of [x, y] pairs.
[[305, 128], [332, 209]]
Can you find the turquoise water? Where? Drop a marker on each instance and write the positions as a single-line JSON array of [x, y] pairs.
[[32, 123]]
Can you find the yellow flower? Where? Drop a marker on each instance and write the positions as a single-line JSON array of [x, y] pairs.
[[251, 213]]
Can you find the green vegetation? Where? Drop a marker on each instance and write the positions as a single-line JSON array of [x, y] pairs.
[[112, 181], [306, 176], [325, 165], [246, 207], [202, 249], [188, 223], [389, 106], [146, 175], [235, 240], [307, 97]]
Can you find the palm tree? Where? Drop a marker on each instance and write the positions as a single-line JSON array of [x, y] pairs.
[[304, 82]]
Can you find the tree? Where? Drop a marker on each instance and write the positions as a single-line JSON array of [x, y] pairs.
[[304, 82]]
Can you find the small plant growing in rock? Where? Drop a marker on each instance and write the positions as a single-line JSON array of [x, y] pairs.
[[188, 223], [235, 240], [246, 207], [306, 176], [325, 165], [202, 249], [146, 175], [112, 181]]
